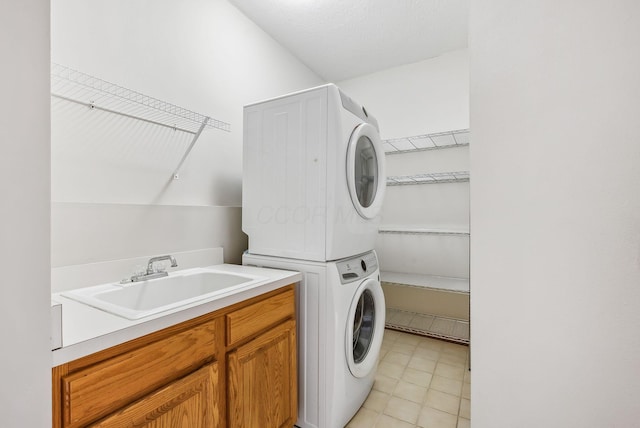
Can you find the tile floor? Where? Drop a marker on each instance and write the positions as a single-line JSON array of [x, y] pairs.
[[420, 382]]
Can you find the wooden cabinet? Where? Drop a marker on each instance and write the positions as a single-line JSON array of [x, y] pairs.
[[234, 367], [262, 386]]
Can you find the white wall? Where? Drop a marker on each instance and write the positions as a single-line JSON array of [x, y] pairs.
[[25, 391], [555, 254], [420, 98], [203, 55]]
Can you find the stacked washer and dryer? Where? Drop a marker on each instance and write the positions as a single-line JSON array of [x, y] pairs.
[[313, 185]]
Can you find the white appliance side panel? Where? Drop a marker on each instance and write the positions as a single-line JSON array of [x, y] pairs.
[[284, 182], [313, 324]]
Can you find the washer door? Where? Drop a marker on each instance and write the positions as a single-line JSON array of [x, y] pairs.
[[365, 328], [366, 178]]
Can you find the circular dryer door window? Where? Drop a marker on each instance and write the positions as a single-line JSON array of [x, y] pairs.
[[365, 328], [365, 170]]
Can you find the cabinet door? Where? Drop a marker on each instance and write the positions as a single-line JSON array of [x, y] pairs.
[[190, 402], [262, 383]]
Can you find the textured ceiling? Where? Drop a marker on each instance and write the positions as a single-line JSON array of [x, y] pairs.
[[341, 39]]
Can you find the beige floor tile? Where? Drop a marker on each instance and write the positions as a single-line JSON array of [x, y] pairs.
[[397, 358], [431, 343], [384, 383], [427, 354], [383, 353], [404, 410], [433, 418], [455, 348], [391, 369], [410, 391], [444, 384], [391, 335], [365, 418], [404, 348], [417, 377], [466, 390], [376, 401], [409, 339], [422, 364], [464, 423], [421, 381], [455, 360], [442, 401], [389, 422], [389, 339], [465, 408], [451, 371]]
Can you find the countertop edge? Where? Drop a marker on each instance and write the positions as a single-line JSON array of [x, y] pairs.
[[278, 279]]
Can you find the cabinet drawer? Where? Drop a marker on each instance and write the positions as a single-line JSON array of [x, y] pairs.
[[102, 388], [252, 319]]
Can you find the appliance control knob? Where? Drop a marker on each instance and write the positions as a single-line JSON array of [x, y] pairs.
[[363, 265]]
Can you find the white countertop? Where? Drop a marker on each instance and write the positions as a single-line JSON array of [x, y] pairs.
[[86, 330]]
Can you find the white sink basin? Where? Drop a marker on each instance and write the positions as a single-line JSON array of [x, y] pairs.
[[141, 299]]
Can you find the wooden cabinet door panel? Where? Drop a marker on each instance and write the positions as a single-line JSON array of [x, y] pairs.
[[190, 402], [262, 381]]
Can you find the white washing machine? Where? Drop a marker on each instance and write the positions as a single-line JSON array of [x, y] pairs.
[[340, 323], [314, 176]]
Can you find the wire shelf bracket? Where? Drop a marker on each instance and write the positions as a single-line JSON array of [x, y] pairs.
[[176, 173]]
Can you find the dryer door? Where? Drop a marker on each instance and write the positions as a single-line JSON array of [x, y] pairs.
[[365, 328], [365, 170]]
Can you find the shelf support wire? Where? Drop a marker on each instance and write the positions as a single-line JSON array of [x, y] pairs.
[[176, 173]]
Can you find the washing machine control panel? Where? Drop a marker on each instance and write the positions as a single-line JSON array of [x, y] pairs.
[[357, 267]]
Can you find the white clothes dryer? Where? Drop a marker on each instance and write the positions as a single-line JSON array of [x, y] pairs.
[[340, 325], [314, 176]]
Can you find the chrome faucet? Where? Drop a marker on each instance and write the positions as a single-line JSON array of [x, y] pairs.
[[152, 273], [152, 260]]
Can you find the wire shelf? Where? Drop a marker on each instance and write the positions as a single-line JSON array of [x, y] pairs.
[[82, 88], [438, 327], [440, 140], [403, 230], [432, 178]]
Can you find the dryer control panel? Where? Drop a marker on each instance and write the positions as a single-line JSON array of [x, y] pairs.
[[357, 267], [358, 110]]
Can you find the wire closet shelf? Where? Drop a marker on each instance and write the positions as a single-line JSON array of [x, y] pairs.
[[431, 178], [440, 140], [81, 88]]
